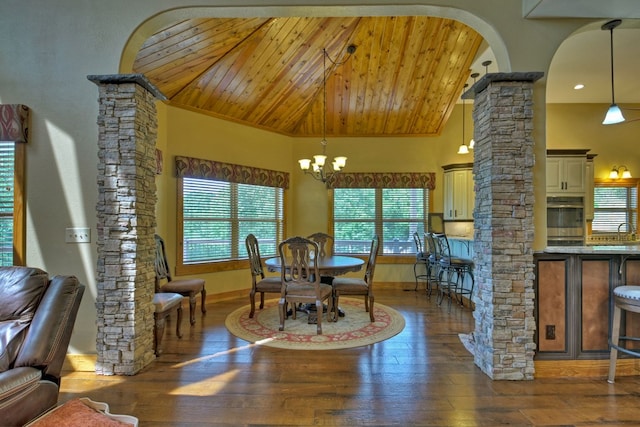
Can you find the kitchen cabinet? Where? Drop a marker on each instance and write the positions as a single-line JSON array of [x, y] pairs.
[[572, 300], [566, 175], [588, 193], [459, 196]]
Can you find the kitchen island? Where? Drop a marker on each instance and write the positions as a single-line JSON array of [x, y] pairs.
[[573, 308]]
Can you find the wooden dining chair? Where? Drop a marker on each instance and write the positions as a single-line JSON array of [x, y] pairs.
[[326, 244], [185, 287], [259, 283], [300, 278], [324, 241], [356, 286]]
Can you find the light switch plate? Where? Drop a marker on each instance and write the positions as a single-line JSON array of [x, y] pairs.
[[77, 235]]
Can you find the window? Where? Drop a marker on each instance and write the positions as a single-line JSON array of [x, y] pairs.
[[218, 205], [218, 215], [615, 207], [12, 221], [392, 213]]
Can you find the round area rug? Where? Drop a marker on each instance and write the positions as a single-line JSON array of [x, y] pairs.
[[353, 330]]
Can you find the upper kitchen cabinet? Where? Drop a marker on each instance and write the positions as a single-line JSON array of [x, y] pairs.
[[459, 196], [566, 172]]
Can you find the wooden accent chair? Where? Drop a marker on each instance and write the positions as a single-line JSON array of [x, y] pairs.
[[355, 286], [259, 283], [185, 287], [165, 303], [301, 279]]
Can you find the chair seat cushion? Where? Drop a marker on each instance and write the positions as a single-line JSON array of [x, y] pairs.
[[165, 301], [457, 262], [183, 285], [628, 292], [348, 284], [306, 291], [269, 284]]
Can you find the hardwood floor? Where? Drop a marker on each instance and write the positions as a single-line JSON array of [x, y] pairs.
[[422, 376]]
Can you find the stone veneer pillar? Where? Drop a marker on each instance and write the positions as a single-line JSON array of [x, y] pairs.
[[503, 225], [127, 125]]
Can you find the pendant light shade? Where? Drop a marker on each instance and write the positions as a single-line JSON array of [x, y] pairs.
[[614, 115]]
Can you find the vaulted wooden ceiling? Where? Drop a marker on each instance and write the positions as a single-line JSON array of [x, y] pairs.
[[404, 78]]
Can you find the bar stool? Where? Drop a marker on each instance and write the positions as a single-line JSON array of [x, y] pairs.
[[453, 267], [625, 298], [435, 254], [422, 259]]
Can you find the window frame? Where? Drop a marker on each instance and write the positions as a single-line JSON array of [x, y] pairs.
[[627, 183], [211, 266], [18, 211], [384, 258]]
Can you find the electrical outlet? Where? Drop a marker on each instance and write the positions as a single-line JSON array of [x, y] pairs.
[[77, 235], [550, 332]]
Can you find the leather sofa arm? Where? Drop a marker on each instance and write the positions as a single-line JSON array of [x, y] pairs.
[[47, 340], [17, 381]]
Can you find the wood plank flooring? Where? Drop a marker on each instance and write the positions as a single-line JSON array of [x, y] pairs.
[[422, 376]]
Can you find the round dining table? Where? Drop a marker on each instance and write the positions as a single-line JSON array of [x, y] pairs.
[[331, 265]]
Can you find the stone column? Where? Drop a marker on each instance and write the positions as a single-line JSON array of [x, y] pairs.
[[126, 223], [504, 227]]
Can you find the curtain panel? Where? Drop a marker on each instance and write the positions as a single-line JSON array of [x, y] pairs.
[[14, 122], [188, 167], [384, 180]]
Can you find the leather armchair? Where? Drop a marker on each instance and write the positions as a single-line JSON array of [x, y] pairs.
[[37, 314]]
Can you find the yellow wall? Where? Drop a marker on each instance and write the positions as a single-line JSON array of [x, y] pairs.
[[580, 126], [188, 133]]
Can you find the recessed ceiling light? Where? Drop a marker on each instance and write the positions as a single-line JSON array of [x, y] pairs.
[[578, 86]]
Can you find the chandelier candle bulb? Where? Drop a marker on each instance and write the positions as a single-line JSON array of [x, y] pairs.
[[305, 164]]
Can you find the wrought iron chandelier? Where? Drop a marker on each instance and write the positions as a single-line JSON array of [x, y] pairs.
[[318, 168]]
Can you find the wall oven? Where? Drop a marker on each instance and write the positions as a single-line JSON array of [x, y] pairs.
[[565, 221]]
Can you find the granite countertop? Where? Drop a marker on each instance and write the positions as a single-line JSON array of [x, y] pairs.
[[595, 249]]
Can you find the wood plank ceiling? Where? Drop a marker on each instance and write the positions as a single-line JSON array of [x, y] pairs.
[[404, 78]]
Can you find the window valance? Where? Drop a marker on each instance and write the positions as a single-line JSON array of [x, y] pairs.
[[188, 167], [384, 180], [14, 122]]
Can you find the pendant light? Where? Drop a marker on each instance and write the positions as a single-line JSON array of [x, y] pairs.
[[614, 115], [317, 168], [463, 149], [472, 143]]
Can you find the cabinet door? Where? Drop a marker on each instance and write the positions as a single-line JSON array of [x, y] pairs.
[[448, 195], [460, 198], [554, 175], [552, 305], [588, 192], [574, 175], [471, 195]]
